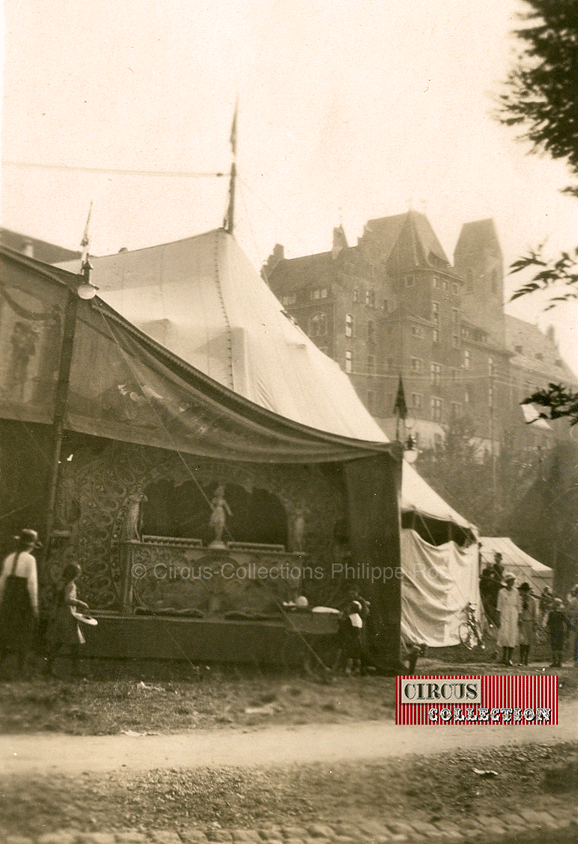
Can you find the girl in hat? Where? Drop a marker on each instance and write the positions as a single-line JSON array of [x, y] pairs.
[[509, 605], [19, 599], [63, 630], [526, 622]]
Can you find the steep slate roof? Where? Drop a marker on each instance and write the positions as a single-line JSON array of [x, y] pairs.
[[389, 229], [48, 253], [527, 337], [477, 234]]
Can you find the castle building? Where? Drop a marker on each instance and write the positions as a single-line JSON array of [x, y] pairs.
[[393, 305]]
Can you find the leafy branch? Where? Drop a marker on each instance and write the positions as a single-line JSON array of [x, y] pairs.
[[560, 401]]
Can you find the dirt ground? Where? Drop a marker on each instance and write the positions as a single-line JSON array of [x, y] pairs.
[[442, 786], [165, 697], [234, 703]]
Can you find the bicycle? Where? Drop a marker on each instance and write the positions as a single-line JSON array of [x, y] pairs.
[[469, 630]]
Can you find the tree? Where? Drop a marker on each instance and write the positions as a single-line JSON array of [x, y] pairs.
[[541, 89], [541, 100], [483, 487]]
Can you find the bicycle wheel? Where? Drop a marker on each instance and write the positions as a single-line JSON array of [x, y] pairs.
[[467, 636]]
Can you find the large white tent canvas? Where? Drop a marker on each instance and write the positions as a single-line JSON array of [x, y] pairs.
[[204, 301]]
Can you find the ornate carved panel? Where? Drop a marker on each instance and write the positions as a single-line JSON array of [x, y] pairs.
[[99, 491]]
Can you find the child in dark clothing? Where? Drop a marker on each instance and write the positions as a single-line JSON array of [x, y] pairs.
[[558, 627], [350, 635]]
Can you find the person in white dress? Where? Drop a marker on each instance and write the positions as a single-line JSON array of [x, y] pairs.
[[509, 605]]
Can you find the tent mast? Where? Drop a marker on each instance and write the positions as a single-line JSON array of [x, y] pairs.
[[229, 221]]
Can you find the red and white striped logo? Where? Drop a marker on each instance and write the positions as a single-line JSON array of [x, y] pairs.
[[497, 699]]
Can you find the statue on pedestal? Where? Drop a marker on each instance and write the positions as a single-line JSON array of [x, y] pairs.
[[219, 516]]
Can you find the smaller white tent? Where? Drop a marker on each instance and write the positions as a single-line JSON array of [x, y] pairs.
[[439, 582], [526, 568]]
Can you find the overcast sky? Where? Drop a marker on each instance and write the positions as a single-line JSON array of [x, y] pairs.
[[347, 111]]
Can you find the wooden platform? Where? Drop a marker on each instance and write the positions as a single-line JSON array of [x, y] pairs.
[[206, 640]]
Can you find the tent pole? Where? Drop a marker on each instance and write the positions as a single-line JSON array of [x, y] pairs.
[[60, 408]]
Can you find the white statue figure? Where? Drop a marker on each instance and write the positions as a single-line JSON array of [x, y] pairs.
[[219, 515]]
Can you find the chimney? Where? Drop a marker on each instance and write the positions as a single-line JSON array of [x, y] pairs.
[[339, 241]]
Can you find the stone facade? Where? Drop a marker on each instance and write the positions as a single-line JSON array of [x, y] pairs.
[[394, 305]]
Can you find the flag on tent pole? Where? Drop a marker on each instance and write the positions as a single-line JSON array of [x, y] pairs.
[[400, 407], [85, 242], [233, 136]]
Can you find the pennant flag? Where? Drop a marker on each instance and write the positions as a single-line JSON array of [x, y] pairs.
[[400, 407], [85, 238], [233, 136]]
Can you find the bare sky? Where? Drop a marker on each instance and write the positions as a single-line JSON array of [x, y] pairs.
[[347, 111]]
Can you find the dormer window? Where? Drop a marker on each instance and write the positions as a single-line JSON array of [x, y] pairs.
[[519, 349]]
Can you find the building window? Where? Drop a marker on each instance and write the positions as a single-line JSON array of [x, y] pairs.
[[436, 373], [290, 299], [385, 306], [455, 316], [455, 288], [436, 409], [371, 363], [436, 335], [370, 298], [456, 410], [491, 372], [356, 296], [348, 325], [323, 293], [416, 401], [349, 361], [455, 341], [445, 284], [435, 310], [435, 281], [417, 331], [416, 365], [315, 293], [467, 359], [454, 374], [409, 280], [469, 281], [468, 395], [491, 396], [318, 325], [370, 332]]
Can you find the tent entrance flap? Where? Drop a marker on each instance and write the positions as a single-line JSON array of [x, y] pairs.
[[373, 490]]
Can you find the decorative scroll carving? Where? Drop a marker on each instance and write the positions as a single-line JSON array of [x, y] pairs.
[[100, 490]]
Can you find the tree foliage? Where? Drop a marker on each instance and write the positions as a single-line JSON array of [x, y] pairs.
[[541, 89], [541, 99], [560, 401], [484, 488]]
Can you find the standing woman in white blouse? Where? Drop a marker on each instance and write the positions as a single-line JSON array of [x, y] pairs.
[[19, 599]]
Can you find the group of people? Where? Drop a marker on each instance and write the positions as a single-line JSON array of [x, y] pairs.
[[517, 615], [19, 608]]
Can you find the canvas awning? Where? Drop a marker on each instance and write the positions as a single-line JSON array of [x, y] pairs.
[[203, 300]]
